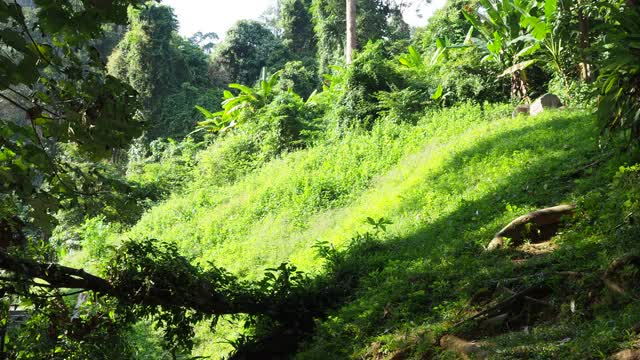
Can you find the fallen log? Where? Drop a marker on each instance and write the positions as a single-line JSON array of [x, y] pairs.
[[539, 225], [498, 307]]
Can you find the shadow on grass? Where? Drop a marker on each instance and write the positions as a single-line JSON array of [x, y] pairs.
[[380, 284]]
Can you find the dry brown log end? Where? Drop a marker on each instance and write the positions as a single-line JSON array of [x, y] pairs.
[[551, 215], [628, 354], [613, 282], [620, 262], [466, 349], [399, 355], [542, 218], [496, 242]]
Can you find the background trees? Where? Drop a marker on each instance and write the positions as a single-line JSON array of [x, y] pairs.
[[372, 22], [247, 47], [297, 31], [168, 71]]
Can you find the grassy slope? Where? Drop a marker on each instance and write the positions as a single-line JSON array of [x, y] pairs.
[[277, 212], [447, 183]]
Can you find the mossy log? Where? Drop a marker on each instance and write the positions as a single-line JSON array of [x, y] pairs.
[[539, 225]]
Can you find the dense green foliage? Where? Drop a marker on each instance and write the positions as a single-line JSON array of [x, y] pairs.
[[72, 116], [297, 30], [620, 76], [375, 20], [247, 48], [314, 210], [167, 71], [35, 175]]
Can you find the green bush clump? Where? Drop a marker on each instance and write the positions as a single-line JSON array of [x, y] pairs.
[[464, 80], [164, 164], [281, 125], [297, 77], [370, 73], [227, 159]]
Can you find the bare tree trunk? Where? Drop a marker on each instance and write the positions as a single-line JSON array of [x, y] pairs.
[[352, 41], [519, 85], [584, 28]]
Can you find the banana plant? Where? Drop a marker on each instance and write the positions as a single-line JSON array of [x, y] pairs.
[[412, 59], [542, 38], [234, 106], [498, 23], [333, 85], [444, 47]]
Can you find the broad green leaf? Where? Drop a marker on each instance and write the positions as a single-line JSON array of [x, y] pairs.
[[245, 89], [495, 46], [518, 67], [438, 93], [550, 7], [521, 38], [205, 112], [467, 39], [528, 50], [274, 78]]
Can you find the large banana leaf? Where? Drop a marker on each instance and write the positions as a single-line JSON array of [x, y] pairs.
[[518, 67]]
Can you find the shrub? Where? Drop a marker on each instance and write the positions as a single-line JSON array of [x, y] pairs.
[[619, 80], [163, 164], [227, 159], [370, 73], [465, 78], [297, 77], [281, 124]]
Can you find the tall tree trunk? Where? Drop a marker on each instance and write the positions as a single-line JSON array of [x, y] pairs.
[[584, 28], [352, 41]]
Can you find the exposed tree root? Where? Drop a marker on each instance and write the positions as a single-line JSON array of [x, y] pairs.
[[539, 225], [613, 278], [509, 309]]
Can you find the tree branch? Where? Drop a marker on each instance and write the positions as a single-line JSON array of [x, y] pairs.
[[202, 296], [14, 103]]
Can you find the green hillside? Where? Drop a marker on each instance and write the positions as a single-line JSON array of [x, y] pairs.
[[447, 184]]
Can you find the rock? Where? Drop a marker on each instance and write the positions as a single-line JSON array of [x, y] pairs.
[[544, 102], [520, 109]]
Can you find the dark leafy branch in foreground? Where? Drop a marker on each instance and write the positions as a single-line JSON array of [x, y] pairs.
[[152, 276], [150, 279]]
